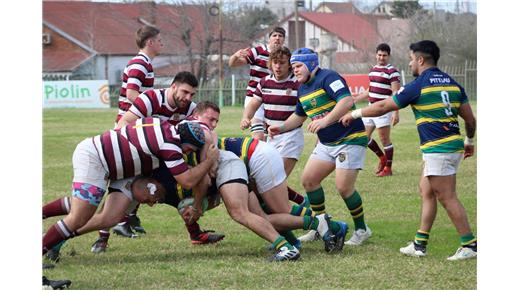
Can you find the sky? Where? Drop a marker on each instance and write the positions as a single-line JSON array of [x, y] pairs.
[[368, 5], [364, 5]]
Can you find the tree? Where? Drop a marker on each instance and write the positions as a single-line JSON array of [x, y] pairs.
[[456, 34], [405, 9], [197, 30], [253, 20]]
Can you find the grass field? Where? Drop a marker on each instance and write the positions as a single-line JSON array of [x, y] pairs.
[[165, 259]]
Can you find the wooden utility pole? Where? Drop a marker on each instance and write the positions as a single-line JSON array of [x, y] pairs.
[[220, 67], [296, 24]]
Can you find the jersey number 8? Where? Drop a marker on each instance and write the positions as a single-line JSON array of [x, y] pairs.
[[446, 101]]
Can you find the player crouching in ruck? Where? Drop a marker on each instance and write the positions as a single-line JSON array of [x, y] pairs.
[[135, 149], [267, 176], [120, 199]]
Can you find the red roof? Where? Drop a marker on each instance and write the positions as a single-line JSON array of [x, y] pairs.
[[59, 61], [350, 28], [109, 28]]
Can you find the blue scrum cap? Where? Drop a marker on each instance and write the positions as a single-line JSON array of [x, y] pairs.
[[306, 56], [191, 133]]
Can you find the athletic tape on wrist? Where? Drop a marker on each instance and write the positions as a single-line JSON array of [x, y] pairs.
[[356, 114]]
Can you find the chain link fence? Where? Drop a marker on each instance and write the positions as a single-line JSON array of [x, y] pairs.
[[465, 75], [208, 92]]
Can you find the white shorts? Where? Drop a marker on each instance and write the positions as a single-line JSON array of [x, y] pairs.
[[87, 165], [289, 144], [441, 164], [378, 122], [266, 166], [259, 114], [230, 167], [345, 156]]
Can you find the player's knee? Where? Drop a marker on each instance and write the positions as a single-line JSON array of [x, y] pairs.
[[75, 222], [446, 198], [309, 184], [238, 214], [345, 191], [280, 208]]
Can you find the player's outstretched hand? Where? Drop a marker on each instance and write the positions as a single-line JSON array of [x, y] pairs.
[[345, 120], [274, 130], [316, 125], [190, 215], [469, 150], [245, 123], [212, 153], [243, 52], [213, 170], [395, 118]]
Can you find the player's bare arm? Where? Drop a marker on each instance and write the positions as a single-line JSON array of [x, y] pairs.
[[294, 121], [360, 96], [470, 124], [374, 110], [340, 109], [239, 58], [127, 118], [192, 176], [199, 192], [395, 88], [249, 113], [132, 94], [211, 138]]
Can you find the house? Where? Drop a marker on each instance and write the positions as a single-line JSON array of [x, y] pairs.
[[383, 9], [95, 40], [349, 7], [346, 36], [337, 7]]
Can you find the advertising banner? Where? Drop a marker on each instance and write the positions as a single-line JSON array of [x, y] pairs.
[[76, 94], [357, 83]]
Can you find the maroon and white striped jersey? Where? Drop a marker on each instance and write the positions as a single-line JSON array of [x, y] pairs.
[[381, 78], [257, 58], [139, 147], [154, 103], [138, 75], [279, 98]]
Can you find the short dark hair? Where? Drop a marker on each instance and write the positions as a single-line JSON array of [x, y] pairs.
[[383, 47], [139, 180], [277, 54], [144, 33], [428, 50], [186, 77], [279, 30], [204, 105]]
